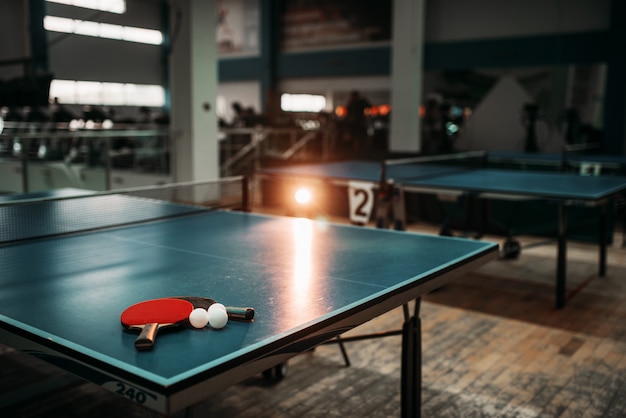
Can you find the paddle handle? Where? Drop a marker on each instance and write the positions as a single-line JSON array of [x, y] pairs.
[[145, 340], [240, 314]]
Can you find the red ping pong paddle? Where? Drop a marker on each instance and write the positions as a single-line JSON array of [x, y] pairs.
[[234, 313], [151, 315]]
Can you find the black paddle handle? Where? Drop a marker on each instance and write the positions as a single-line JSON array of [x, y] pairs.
[[145, 340], [240, 314]]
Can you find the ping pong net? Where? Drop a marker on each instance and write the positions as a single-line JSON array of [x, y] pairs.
[[429, 166], [24, 219]]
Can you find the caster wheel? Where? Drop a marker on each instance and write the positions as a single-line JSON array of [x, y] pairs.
[[511, 249], [277, 372], [280, 371]]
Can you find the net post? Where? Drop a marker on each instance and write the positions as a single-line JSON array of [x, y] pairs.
[[383, 175], [24, 164], [485, 159], [245, 194]]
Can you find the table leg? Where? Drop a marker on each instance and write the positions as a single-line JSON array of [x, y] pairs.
[[399, 212], [623, 208], [561, 257], [411, 386], [602, 238]]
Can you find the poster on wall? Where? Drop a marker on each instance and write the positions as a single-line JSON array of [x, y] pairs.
[[238, 27], [314, 24]]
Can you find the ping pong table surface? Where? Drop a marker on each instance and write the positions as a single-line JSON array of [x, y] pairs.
[[467, 178], [308, 281], [563, 189], [573, 160], [43, 194]]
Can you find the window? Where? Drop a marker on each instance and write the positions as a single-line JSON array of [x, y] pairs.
[[107, 94], [302, 102], [70, 88], [103, 30], [113, 6]]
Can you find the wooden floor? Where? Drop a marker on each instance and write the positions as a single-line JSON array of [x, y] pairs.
[[493, 346]]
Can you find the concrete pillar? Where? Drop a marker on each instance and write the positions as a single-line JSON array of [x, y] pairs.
[[406, 75], [193, 84]]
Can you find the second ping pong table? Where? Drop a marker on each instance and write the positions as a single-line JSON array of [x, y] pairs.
[[563, 190], [70, 266]]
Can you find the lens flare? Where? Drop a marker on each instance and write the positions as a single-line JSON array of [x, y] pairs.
[[303, 196]]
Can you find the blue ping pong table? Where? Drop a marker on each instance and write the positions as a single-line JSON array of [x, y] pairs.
[[45, 194], [65, 281], [561, 189], [581, 162]]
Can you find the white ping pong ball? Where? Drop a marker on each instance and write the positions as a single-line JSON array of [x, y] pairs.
[[198, 318], [217, 306], [217, 318]]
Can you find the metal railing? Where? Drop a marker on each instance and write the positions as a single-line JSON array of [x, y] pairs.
[[246, 148], [39, 151], [58, 146]]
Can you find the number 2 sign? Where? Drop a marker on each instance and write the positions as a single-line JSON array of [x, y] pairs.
[[361, 199]]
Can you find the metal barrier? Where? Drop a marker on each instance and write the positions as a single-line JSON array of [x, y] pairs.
[[40, 156], [42, 151]]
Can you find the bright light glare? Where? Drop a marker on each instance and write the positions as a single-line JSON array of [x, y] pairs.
[[144, 36], [87, 28], [113, 6], [303, 196], [109, 94], [111, 31], [103, 30], [58, 24], [302, 102]]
